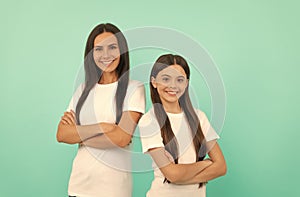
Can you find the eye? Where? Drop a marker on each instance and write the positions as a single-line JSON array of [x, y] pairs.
[[180, 80], [112, 47], [98, 48], [165, 79]]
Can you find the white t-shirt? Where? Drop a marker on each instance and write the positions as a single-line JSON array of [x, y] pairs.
[[104, 172], [151, 138]]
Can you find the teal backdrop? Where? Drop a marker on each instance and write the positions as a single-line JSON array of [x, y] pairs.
[[255, 45]]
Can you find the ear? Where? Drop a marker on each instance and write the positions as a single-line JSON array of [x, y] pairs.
[[187, 83], [153, 82]]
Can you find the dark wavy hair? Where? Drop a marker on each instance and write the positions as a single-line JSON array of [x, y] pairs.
[[93, 73], [167, 134]]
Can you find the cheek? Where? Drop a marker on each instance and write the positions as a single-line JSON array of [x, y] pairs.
[[115, 53], [96, 55], [182, 87], [117, 61], [160, 89]]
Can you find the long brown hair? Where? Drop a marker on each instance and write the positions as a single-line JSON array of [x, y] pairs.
[[167, 134], [93, 72]]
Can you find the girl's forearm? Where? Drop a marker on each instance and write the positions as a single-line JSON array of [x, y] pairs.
[[180, 173], [211, 172]]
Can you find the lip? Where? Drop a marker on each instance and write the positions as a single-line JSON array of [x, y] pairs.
[[172, 93], [107, 63]]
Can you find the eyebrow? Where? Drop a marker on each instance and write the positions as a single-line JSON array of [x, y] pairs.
[[166, 75], [112, 44]]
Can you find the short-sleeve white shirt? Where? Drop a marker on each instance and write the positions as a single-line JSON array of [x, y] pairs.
[[151, 138], [104, 172]]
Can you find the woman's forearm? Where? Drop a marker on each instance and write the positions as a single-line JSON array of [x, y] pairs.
[[118, 135], [73, 134], [116, 138]]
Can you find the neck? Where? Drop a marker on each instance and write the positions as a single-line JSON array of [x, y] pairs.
[[107, 78], [173, 108]]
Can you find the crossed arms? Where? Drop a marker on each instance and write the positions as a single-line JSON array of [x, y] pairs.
[[193, 173], [100, 135]]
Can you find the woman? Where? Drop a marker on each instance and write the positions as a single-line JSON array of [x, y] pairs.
[[178, 136], [102, 117]]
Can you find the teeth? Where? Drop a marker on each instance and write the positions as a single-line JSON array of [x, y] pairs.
[[172, 92], [107, 62]]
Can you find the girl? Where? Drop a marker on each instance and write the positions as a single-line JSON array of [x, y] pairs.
[[178, 136], [102, 117]]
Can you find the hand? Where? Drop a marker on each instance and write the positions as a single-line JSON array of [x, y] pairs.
[[68, 118], [208, 161], [170, 157]]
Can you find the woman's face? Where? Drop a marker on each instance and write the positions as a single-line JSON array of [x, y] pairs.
[[106, 52], [170, 83]]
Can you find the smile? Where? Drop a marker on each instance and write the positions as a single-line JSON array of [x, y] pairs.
[[107, 63], [173, 93]]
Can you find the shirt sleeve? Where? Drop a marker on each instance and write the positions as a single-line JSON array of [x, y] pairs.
[[75, 98], [208, 131], [150, 133], [135, 97]]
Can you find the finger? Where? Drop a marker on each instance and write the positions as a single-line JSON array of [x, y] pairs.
[[70, 117], [67, 119], [74, 115], [170, 157], [63, 122]]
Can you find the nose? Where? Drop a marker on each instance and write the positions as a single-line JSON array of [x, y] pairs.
[[105, 53], [172, 84]]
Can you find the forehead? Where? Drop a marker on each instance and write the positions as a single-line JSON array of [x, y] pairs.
[[173, 70], [105, 38]]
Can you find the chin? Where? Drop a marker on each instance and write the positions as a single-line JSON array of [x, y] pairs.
[[172, 100], [109, 69]]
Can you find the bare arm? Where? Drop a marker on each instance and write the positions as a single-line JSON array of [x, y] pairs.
[[120, 135], [176, 172], [70, 133], [216, 169]]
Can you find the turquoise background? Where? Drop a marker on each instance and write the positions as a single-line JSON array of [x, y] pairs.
[[254, 43]]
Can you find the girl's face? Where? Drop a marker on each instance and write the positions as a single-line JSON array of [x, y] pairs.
[[106, 52], [170, 83]]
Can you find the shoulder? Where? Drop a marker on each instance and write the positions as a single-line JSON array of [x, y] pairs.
[[79, 89], [135, 87], [201, 115], [149, 127], [147, 118], [135, 84]]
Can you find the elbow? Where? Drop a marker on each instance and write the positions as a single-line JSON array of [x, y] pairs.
[[223, 170], [62, 136], [173, 179], [123, 142], [173, 176], [59, 136], [122, 145]]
